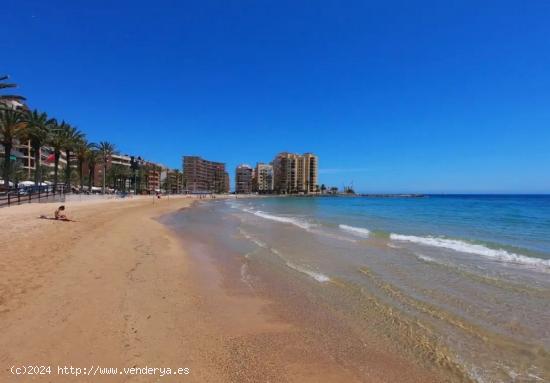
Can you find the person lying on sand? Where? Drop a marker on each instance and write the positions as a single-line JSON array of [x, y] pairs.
[[59, 213]]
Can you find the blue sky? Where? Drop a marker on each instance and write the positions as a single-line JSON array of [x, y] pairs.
[[396, 96]]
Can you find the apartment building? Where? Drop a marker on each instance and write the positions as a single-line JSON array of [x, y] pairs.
[[243, 179], [295, 173], [308, 180], [152, 174], [203, 176], [172, 181], [263, 178], [25, 154], [112, 160], [227, 183]]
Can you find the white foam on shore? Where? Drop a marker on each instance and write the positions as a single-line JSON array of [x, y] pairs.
[[252, 239], [471, 248], [291, 220], [425, 258], [245, 276], [315, 275], [359, 231], [256, 241], [321, 278]]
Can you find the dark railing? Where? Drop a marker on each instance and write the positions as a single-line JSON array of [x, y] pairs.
[[32, 194]]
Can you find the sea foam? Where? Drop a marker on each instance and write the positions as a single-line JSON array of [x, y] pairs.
[[256, 241], [291, 220], [322, 278], [472, 248], [359, 231]]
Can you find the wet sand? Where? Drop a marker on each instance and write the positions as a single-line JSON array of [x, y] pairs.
[[119, 289]]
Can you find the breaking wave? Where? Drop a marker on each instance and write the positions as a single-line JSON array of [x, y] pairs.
[[359, 231], [472, 248], [291, 220]]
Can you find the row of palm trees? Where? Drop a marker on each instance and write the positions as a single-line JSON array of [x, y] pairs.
[[19, 124]]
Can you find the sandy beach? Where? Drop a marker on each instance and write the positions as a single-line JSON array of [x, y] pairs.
[[116, 289]]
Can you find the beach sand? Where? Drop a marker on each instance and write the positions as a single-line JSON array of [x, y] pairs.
[[116, 290]]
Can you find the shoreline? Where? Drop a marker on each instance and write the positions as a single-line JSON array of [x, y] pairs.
[[320, 343], [120, 289]]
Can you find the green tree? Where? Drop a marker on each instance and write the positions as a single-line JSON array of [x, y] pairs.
[[36, 131], [82, 149], [106, 150], [57, 140], [12, 125], [45, 173], [117, 176], [8, 98], [72, 138], [92, 159]]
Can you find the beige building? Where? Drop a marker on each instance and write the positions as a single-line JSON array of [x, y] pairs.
[[243, 179], [172, 181], [308, 177], [295, 173], [263, 178], [203, 176]]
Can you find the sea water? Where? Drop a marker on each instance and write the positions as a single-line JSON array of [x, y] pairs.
[[463, 280]]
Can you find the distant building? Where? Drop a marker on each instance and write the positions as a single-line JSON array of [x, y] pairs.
[[308, 180], [119, 159], [243, 179], [263, 178], [203, 176], [172, 181], [227, 184], [26, 155], [112, 160], [152, 175], [294, 173]]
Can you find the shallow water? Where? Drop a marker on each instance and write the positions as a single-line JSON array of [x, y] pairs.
[[461, 282]]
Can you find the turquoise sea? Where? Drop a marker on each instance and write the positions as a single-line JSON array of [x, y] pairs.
[[519, 224], [460, 281]]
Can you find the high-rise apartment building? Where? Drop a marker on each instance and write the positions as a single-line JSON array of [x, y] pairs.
[[294, 173], [285, 173], [227, 184], [203, 176], [263, 178], [243, 179], [309, 178]]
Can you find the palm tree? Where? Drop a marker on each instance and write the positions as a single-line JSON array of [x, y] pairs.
[[57, 140], [8, 99], [37, 131], [82, 149], [106, 150], [92, 158], [12, 125], [72, 136]]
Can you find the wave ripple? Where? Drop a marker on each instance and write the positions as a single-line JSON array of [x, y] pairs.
[[472, 248]]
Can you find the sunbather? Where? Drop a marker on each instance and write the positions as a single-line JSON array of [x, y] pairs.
[[60, 214]]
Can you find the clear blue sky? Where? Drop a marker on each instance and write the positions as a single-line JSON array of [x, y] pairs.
[[398, 96]]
